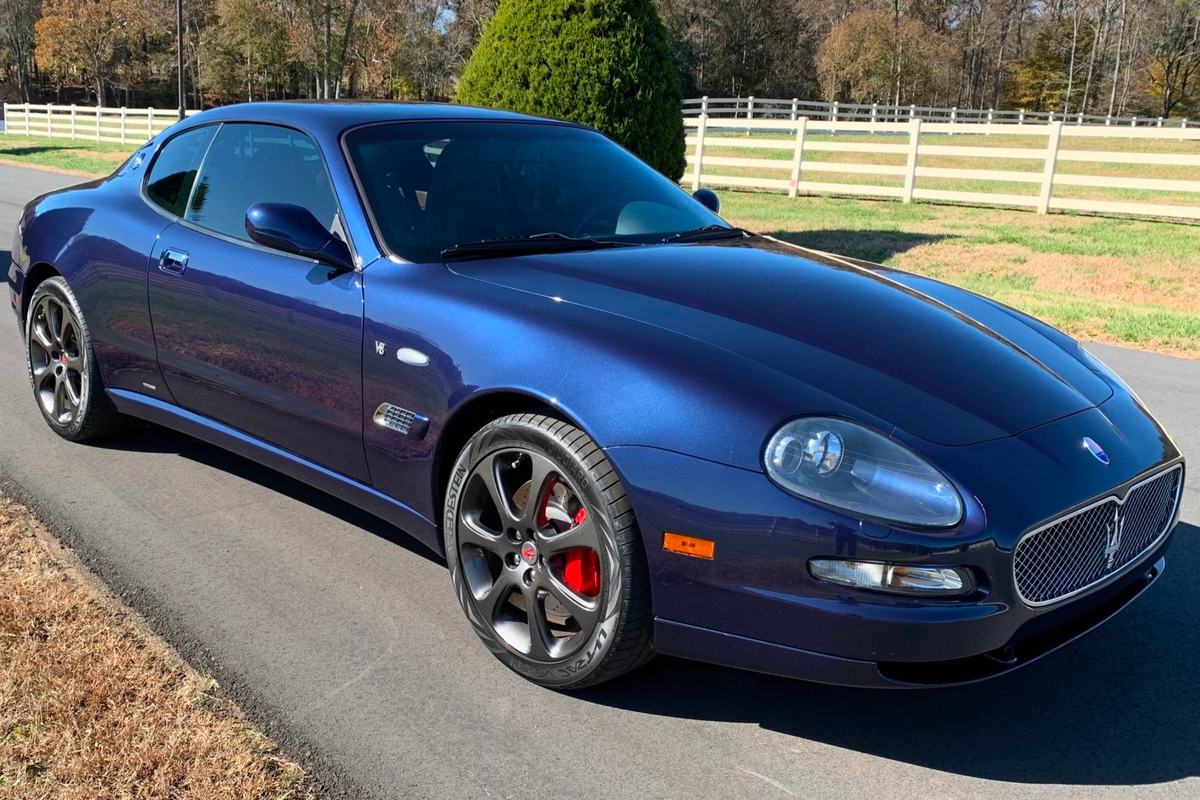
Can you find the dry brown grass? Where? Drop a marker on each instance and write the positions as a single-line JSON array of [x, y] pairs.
[[93, 705]]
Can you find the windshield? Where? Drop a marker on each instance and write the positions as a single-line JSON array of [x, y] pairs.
[[433, 185]]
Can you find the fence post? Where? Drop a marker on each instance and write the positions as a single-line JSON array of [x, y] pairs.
[[874, 112], [50, 120], [703, 105], [798, 156], [1107, 120], [1051, 165], [28, 130], [1021, 117], [96, 111], [910, 168], [1080, 122], [833, 112], [1133, 122], [750, 107], [124, 118], [73, 111], [795, 107], [700, 131], [1160, 122]]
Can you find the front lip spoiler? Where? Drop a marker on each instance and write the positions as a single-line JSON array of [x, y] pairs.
[[997, 662], [715, 647]]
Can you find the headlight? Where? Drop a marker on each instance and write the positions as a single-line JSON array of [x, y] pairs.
[[849, 467]]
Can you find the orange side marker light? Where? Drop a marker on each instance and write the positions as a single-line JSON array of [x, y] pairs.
[[688, 545]]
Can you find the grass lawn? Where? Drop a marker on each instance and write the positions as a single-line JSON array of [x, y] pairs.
[[75, 157], [1125, 281]]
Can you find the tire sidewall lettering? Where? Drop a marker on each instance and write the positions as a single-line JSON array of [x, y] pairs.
[[499, 435]]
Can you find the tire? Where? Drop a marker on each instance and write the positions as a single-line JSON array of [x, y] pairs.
[[62, 366], [592, 614]]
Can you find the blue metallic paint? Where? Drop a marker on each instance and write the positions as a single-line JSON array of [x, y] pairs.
[[680, 360]]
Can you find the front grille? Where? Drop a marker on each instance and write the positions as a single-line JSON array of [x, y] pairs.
[[1090, 545]]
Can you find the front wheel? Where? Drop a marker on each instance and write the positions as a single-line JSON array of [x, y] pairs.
[[62, 366], [545, 555]]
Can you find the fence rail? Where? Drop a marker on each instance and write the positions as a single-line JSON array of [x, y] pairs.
[[751, 108], [725, 133], [126, 125]]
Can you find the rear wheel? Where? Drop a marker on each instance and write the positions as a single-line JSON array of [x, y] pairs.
[[544, 553], [62, 366]]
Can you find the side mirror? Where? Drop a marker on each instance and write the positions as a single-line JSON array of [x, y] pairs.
[[708, 198], [294, 229]]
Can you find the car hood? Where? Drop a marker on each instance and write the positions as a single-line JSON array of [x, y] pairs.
[[954, 370]]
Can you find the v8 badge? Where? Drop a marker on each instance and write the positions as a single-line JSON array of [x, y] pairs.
[[380, 348]]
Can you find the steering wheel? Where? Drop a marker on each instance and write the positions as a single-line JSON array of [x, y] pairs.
[[595, 215]]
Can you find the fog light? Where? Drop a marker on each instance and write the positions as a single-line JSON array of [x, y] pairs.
[[893, 578]]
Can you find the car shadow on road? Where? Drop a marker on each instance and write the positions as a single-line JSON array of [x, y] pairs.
[[154, 439], [876, 246], [1121, 706]]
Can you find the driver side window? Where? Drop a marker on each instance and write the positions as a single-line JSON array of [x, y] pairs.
[[250, 164]]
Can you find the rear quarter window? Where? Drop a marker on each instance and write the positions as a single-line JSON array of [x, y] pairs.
[[173, 173]]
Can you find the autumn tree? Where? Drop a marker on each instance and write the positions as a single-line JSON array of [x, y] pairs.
[[1172, 69], [89, 37], [877, 57]]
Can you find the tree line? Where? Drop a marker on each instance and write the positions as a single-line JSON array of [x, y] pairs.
[[1116, 57]]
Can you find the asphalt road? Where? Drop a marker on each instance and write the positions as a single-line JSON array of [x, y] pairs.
[[342, 639]]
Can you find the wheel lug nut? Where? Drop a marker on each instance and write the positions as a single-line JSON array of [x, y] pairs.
[[527, 578], [513, 560]]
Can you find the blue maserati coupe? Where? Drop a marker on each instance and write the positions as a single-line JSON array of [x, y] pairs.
[[629, 427]]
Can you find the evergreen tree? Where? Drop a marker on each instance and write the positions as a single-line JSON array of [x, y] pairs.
[[603, 63]]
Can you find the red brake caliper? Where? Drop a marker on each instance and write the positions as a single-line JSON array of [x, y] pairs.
[[581, 567], [581, 572]]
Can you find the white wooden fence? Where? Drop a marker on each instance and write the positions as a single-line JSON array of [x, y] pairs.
[[768, 108], [705, 133], [127, 125]]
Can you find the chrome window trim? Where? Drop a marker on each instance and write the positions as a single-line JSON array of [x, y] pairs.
[[1119, 499]]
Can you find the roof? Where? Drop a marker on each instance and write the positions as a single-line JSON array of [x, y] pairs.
[[331, 117]]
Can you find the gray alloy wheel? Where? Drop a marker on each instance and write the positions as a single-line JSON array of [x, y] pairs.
[[544, 553], [62, 366]]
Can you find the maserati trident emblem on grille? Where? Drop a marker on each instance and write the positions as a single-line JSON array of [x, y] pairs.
[[1095, 449], [1112, 539]]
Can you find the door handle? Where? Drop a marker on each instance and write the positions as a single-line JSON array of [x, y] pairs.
[[173, 261]]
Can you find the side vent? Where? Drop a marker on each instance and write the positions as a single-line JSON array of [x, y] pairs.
[[402, 420]]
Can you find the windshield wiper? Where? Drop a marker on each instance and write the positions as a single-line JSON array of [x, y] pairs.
[[550, 242], [706, 232]]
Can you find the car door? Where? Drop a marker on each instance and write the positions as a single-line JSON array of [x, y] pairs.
[[262, 341]]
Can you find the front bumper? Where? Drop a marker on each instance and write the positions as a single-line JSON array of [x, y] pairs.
[[715, 647], [754, 605]]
